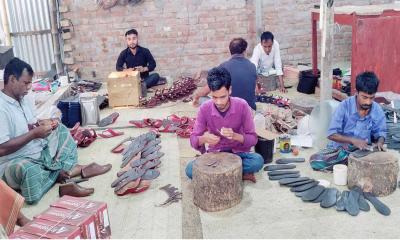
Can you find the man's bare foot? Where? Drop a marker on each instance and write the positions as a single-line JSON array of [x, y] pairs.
[[22, 220]]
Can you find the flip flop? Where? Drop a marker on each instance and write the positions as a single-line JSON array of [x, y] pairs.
[[362, 203], [89, 137], [169, 127], [137, 146], [155, 123], [296, 184], [151, 150], [320, 198], [329, 198], [274, 173], [120, 147], [128, 166], [110, 119], [142, 161], [109, 133], [278, 177], [340, 201], [138, 123], [304, 187], [75, 128], [150, 174], [129, 176], [351, 203], [378, 205], [289, 160], [127, 188], [151, 164], [313, 193], [143, 186], [279, 167], [184, 133], [292, 180]]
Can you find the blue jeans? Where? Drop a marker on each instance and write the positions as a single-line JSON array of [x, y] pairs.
[[251, 162], [151, 80]]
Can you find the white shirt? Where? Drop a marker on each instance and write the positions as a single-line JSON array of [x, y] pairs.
[[267, 62], [14, 119]]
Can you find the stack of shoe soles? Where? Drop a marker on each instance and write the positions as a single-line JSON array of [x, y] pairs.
[[393, 130], [139, 162], [309, 190], [69, 186]]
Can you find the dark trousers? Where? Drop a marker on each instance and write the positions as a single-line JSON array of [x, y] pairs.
[[151, 80]]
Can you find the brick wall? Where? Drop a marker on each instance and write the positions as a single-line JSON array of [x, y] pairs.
[[188, 35]]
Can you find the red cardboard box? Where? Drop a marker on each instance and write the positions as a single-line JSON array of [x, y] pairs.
[[46, 229], [22, 235], [98, 209], [85, 221]]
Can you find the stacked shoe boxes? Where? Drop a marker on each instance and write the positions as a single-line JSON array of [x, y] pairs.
[[69, 218]]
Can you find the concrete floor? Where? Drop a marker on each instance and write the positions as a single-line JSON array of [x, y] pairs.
[[266, 211]]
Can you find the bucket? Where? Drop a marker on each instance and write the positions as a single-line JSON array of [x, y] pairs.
[[265, 148], [340, 174]]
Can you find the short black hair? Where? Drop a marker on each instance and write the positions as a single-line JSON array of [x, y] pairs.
[[267, 36], [367, 82], [132, 31], [237, 46], [217, 78], [16, 67]]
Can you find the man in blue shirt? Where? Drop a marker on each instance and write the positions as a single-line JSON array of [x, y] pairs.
[[243, 74], [359, 121]]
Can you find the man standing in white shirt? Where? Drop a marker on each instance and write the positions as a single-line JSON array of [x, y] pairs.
[[267, 58]]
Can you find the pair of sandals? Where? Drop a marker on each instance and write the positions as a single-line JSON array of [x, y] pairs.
[[182, 126], [139, 161], [180, 89], [278, 101], [83, 137]]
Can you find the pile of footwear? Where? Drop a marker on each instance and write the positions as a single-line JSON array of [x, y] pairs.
[[279, 119], [276, 100], [179, 90], [139, 162], [182, 126], [69, 186], [309, 190]]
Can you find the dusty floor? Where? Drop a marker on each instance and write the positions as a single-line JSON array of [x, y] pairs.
[[266, 211]]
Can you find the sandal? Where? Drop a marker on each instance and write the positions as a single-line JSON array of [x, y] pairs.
[[109, 133], [75, 128], [169, 127], [110, 119], [120, 147], [185, 133], [89, 135]]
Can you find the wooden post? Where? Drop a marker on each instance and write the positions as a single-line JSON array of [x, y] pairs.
[[55, 36], [258, 16], [5, 23], [326, 72], [327, 50]]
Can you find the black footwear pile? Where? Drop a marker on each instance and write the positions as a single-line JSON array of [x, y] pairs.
[[309, 190]]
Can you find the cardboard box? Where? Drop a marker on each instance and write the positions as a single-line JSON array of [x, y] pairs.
[[47, 229], [22, 235], [85, 221], [98, 209], [124, 88]]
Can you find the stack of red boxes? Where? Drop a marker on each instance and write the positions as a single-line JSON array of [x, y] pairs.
[[69, 217]]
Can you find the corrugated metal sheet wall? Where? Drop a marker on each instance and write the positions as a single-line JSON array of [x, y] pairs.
[[26, 18]]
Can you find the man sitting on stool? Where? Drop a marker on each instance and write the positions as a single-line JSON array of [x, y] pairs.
[[226, 124]]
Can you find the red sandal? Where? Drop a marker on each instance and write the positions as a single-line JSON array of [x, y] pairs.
[[109, 133]]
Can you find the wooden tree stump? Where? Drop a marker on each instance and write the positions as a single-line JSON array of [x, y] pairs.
[[217, 181], [376, 173]]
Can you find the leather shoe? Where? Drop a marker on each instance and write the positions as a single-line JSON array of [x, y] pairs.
[[95, 169], [74, 190]]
